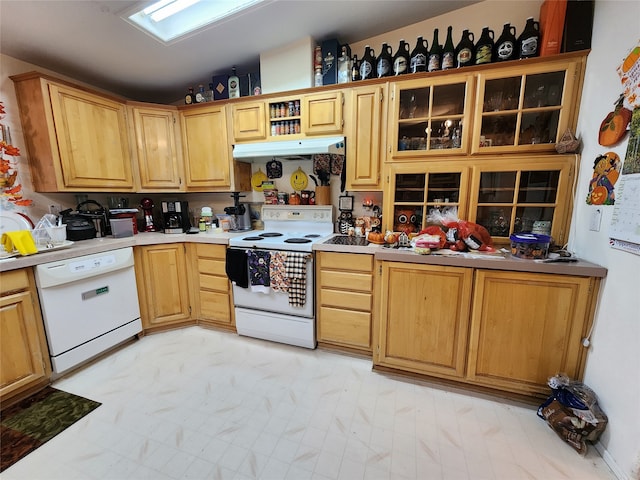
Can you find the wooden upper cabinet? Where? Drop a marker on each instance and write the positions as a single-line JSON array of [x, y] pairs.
[[366, 114], [77, 140], [207, 153], [159, 160], [430, 117], [249, 121], [526, 108], [322, 113]]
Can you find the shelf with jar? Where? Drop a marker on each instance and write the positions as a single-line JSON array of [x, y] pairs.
[[526, 109], [427, 116], [284, 118]]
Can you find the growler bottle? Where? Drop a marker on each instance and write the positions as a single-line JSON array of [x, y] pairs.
[[484, 47], [355, 69], [435, 54], [190, 97], [465, 50], [505, 47], [383, 63], [529, 40], [448, 52], [401, 59], [367, 64], [419, 56]]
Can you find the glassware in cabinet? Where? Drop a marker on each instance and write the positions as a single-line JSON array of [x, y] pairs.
[[428, 117], [525, 111], [511, 198]]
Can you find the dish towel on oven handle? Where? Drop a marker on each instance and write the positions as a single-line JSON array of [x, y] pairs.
[[236, 267], [296, 269], [278, 273], [259, 270]]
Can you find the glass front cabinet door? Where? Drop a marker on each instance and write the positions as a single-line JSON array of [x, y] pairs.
[[526, 109], [521, 195], [417, 190], [428, 117]]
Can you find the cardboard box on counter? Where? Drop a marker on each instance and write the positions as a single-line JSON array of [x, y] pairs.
[[220, 87]]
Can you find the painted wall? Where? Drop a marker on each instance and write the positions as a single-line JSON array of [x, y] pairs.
[[613, 364]]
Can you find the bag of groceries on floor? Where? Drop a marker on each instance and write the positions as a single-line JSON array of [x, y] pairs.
[[572, 411]]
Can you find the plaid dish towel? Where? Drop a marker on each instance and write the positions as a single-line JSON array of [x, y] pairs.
[[296, 270], [259, 270], [278, 273]]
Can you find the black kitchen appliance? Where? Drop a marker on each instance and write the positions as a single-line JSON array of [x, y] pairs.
[[240, 212], [78, 227], [96, 213], [175, 217]]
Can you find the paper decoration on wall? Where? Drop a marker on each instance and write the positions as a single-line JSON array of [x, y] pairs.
[[614, 127], [629, 72], [606, 170]]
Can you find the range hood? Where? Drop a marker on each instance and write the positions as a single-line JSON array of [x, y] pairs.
[[290, 149]]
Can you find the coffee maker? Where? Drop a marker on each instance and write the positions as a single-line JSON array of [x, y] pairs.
[[240, 212], [175, 217]]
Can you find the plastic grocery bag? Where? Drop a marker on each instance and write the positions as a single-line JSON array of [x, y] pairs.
[[572, 411]]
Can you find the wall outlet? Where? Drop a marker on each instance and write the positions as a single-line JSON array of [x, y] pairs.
[[596, 219]]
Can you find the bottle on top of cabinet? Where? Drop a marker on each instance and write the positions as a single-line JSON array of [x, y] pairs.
[[484, 47], [355, 69], [435, 54], [529, 40], [401, 59], [344, 65], [234, 84], [505, 47], [383, 62], [448, 52], [465, 50], [190, 97], [367, 65], [419, 56], [201, 96]]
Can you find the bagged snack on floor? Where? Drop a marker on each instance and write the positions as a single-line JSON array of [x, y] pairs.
[[572, 411]]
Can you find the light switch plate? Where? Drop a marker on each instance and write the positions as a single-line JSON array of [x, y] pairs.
[[596, 218]]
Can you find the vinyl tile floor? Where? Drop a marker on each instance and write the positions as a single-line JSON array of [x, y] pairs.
[[203, 404]]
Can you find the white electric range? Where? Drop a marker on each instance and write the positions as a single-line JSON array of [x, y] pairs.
[[269, 314]]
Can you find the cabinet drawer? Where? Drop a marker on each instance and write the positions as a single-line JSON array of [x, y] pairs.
[[346, 280], [214, 282], [215, 305], [211, 266], [14, 281], [211, 251], [348, 327], [348, 300], [346, 261]]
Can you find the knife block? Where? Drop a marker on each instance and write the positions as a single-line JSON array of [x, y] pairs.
[[323, 195]]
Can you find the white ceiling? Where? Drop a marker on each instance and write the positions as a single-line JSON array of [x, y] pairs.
[[89, 41]]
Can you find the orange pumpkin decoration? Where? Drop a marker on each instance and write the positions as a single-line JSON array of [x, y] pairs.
[[599, 195]]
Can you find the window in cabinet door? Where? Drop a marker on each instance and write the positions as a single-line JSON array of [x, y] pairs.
[[497, 187], [430, 118], [410, 187], [543, 90], [502, 94], [443, 188], [539, 127], [538, 186], [526, 216]]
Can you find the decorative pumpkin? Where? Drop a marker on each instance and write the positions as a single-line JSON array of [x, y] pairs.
[[599, 195], [614, 126]]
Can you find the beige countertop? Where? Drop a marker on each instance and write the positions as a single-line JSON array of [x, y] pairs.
[[445, 258], [98, 245]]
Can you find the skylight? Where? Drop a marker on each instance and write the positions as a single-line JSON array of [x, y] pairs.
[[169, 20]]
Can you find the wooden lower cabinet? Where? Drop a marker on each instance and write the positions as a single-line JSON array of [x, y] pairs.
[[527, 327], [424, 318], [163, 286], [344, 300], [24, 357], [214, 299]]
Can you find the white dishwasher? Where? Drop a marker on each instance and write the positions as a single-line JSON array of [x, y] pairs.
[[89, 304]]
